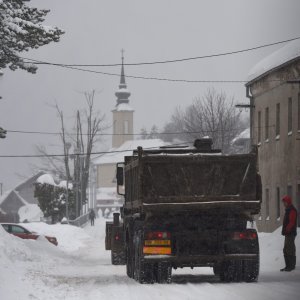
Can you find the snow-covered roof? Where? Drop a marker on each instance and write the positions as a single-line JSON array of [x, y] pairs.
[[123, 107], [46, 179], [278, 58], [117, 154], [243, 135]]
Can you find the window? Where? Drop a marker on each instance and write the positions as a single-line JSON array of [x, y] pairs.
[[126, 126], [299, 112], [290, 191], [277, 119], [267, 205], [5, 226], [259, 127], [18, 229], [278, 202], [298, 202], [266, 123], [115, 126], [290, 116]]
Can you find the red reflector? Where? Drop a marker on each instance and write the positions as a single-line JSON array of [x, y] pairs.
[[158, 235], [117, 237]]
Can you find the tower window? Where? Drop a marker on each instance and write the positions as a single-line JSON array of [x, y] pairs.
[[126, 127]]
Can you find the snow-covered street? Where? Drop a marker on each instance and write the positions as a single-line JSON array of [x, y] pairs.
[[80, 268]]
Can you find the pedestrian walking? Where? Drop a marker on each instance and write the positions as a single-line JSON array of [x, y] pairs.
[[289, 230], [92, 216]]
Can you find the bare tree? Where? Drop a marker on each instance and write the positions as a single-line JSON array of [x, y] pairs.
[[212, 115], [88, 126]]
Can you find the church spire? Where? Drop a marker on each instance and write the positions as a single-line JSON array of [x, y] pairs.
[[122, 80], [122, 93]]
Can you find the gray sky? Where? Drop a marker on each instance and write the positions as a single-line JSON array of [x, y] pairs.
[[156, 30]]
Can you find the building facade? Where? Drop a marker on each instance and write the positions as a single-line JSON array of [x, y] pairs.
[[274, 92]]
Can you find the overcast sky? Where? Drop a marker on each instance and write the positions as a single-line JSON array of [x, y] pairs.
[[157, 30]]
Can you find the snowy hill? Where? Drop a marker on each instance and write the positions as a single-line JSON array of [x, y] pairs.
[[79, 268]]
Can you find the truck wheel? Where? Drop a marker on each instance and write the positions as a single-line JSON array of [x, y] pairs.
[[118, 258], [231, 271], [217, 269], [143, 272], [163, 273], [129, 262], [251, 270]]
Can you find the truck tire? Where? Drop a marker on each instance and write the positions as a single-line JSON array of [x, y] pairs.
[[231, 270], [217, 269], [240, 270], [129, 259], [143, 271], [251, 270], [118, 258], [163, 273]]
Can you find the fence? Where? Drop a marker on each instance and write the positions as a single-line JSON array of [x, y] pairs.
[[80, 220]]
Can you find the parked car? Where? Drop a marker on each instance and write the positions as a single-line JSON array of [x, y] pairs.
[[24, 233]]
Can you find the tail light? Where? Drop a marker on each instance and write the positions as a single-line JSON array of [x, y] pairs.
[[244, 235], [157, 243], [117, 237], [158, 235]]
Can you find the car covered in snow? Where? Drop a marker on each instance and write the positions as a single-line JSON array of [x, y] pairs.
[[24, 233]]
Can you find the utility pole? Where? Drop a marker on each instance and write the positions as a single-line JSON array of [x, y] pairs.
[[68, 146]]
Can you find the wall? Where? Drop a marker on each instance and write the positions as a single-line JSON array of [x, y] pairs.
[[279, 155]]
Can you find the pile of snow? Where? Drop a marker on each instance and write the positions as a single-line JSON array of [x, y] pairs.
[[80, 268], [117, 154], [30, 213]]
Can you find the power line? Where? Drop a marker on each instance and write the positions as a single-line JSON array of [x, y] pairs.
[[83, 154], [168, 61], [147, 78], [76, 66], [130, 134]]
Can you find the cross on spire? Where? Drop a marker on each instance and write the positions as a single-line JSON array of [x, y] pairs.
[[122, 51]]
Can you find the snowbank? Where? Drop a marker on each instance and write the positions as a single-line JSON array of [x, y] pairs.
[[30, 212], [79, 268]]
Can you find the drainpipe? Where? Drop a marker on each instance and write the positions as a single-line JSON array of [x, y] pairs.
[[248, 95]]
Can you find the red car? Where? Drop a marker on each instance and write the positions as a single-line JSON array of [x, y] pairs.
[[24, 233]]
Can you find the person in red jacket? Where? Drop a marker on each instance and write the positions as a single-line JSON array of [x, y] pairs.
[[289, 230]]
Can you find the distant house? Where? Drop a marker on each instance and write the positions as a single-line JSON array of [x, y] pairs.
[[241, 143], [273, 88], [21, 196]]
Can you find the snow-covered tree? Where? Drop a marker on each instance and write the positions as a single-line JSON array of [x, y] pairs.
[[52, 198], [21, 29]]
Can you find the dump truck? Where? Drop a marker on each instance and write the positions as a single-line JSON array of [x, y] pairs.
[[187, 207]]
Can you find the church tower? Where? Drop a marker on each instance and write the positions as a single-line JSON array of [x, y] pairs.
[[122, 113]]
